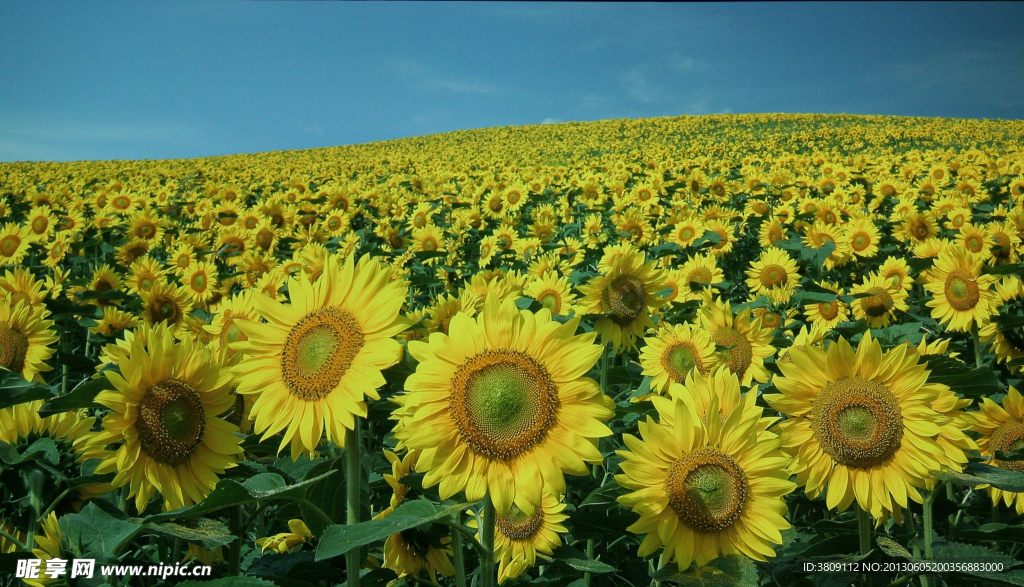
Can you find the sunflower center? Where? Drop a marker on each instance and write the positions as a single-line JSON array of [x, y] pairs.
[[625, 298], [265, 238], [13, 348], [878, 303], [9, 245], [551, 301], [166, 310], [974, 243], [1002, 249], [860, 241], [39, 224], [686, 233], [680, 360], [828, 310], [962, 291], [858, 422], [701, 275], [738, 353], [773, 276], [171, 422], [519, 526], [503, 403], [1008, 438], [319, 351], [707, 490], [199, 282]]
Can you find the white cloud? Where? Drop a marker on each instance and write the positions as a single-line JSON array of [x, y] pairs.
[[313, 129], [680, 64], [550, 121], [429, 80], [638, 87]]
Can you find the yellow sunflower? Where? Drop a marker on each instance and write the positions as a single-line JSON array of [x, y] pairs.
[[287, 541], [627, 293], [500, 406], [828, 314], [705, 489], [746, 344], [25, 339], [774, 275], [863, 237], [674, 352], [698, 273], [553, 292], [962, 297], [1001, 428], [519, 536], [165, 303], [165, 407], [884, 300], [866, 424], [974, 238], [316, 359], [14, 242]]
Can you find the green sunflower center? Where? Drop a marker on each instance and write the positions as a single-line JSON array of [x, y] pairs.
[[860, 241], [738, 354], [517, 525], [707, 490], [962, 291], [319, 351], [13, 348], [680, 360], [773, 276], [686, 233], [858, 422], [828, 310], [974, 243], [624, 296], [39, 224], [171, 422], [198, 282], [503, 403], [551, 301]]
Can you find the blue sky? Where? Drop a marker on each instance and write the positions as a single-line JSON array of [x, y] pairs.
[[160, 79]]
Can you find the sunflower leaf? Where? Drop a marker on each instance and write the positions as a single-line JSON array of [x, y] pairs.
[[339, 539], [725, 571], [973, 383], [229, 582], [14, 390], [578, 560], [979, 474], [202, 531], [81, 396]]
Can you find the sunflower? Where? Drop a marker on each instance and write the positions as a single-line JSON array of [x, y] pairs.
[[880, 306], [318, 358], [820, 233], [199, 281], [144, 273], [771, 233], [414, 551], [828, 314], [25, 339], [224, 326], [676, 351], [962, 297], [866, 424], [627, 294], [896, 273], [500, 406], [164, 407], [287, 541], [21, 287], [745, 343], [41, 223], [114, 321], [1001, 428], [166, 303], [48, 547], [863, 237], [686, 231], [1005, 242], [14, 242], [553, 292], [774, 274], [698, 273], [726, 232], [704, 489], [916, 227], [519, 536]]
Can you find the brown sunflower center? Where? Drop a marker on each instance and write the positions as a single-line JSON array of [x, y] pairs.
[[165, 309], [39, 224], [9, 245], [319, 351], [858, 422], [13, 348], [773, 276], [265, 238], [171, 422], [551, 300], [1002, 248], [680, 359], [738, 353], [860, 241], [700, 275], [503, 403], [517, 525], [707, 490], [878, 303], [962, 291], [686, 233], [974, 243], [829, 310], [1008, 438], [624, 297]]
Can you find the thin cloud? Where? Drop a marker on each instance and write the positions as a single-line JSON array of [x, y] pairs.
[[638, 87], [431, 81]]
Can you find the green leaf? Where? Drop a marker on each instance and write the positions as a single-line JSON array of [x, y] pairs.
[[81, 396], [973, 383], [804, 298], [202, 531], [94, 531], [957, 553], [339, 539], [644, 389], [578, 560], [43, 447], [229, 492], [14, 390], [994, 532], [725, 571], [893, 548], [899, 333], [1014, 455], [979, 474]]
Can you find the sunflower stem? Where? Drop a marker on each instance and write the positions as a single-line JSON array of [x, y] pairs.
[[590, 555], [457, 554], [353, 468], [235, 525], [864, 527], [928, 522], [14, 541], [977, 345], [487, 538]]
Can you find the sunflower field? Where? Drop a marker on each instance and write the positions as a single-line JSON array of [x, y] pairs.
[[715, 350]]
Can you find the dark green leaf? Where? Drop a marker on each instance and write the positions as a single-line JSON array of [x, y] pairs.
[[972, 383], [14, 390], [42, 448], [81, 396], [339, 539], [978, 474], [94, 531], [202, 531], [578, 560], [725, 571]]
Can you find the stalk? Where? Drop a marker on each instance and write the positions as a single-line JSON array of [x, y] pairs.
[[487, 575], [353, 468], [977, 346], [457, 554], [235, 524], [864, 527], [926, 581]]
